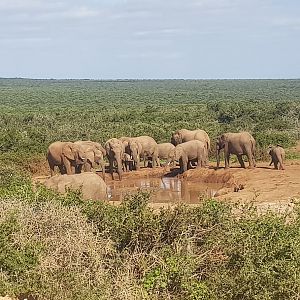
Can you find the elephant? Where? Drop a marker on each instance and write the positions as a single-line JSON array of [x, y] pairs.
[[277, 154], [145, 147], [94, 154], [187, 152], [127, 162], [164, 149], [241, 143], [125, 141], [66, 155], [91, 185], [185, 135], [127, 157], [115, 152]]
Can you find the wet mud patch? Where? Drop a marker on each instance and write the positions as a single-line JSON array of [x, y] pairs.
[[164, 190], [172, 187]]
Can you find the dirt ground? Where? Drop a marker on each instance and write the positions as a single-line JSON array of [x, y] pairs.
[[265, 184], [260, 185]]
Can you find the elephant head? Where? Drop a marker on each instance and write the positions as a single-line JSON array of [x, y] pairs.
[[114, 151], [74, 153], [176, 138], [221, 143], [175, 154], [135, 150]]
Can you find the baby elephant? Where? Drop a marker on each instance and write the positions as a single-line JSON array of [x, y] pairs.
[[277, 153]]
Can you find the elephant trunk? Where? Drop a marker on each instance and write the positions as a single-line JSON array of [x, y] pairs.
[[136, 160], [119, 168], [169, 160], [218, 156]]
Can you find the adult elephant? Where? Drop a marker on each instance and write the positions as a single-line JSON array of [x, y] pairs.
[[145, 147], [91, 185], [241, 143], [185, 135], [277, 154], [66, 156], [164, 150], [94, 154], [191, 151], [114, 152]]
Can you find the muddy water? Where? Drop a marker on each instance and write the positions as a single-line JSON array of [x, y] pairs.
[[164, 190]]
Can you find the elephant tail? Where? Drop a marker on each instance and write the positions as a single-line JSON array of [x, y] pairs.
[[253, 146]]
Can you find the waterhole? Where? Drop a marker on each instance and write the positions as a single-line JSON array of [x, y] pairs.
[[164, 190]]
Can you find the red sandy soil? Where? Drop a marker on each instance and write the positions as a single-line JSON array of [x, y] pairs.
[[262, 184]]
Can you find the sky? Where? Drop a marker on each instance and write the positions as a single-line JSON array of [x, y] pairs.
[[157, 39]]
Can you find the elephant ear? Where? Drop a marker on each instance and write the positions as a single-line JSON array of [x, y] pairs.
[[140, 147], [98, 155], [224, 137], [68, 151], [178, 152], [90, 155], [100, 148], [179, 136]]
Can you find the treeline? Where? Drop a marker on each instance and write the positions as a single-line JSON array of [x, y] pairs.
[[34, 113]]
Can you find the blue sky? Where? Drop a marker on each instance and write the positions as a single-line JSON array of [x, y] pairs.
[[109, 39]]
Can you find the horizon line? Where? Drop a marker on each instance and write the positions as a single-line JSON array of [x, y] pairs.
[[145, 79]]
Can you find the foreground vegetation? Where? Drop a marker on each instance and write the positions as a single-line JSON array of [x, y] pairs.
[[34, 113], [58, 247]]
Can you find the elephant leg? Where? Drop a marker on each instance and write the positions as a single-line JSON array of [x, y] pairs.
[[185, 163], [102, 164], [62, 170], [227, 159], [87, 167], [119, 169], [156, 158], [281, 165], [276, 165], [69, 168], [201, 162], [250, 157], [111, 169], [254, 161], [240, 158], [137, 164], [73, 170], [181, 164], [51, 166], [145, 158]]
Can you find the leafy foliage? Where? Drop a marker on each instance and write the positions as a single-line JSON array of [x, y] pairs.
[[34, 113]]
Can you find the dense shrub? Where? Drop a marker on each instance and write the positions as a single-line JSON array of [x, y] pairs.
[[34, 113], [60, 247]]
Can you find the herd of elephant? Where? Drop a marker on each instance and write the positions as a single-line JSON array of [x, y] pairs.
[[187, 147]]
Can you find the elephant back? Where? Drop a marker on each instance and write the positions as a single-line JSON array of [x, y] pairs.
[[92, 186]]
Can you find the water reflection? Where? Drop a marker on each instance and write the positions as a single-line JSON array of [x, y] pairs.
[[167, 189]]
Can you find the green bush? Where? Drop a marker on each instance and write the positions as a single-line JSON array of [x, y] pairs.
[[35, 113], [61, 247]]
